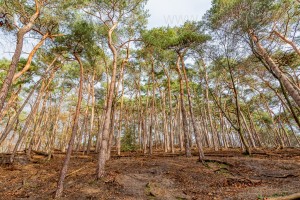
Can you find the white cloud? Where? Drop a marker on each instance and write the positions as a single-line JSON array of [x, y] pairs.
[[175, 12]]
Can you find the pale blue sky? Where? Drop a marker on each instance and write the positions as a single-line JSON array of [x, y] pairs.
[[175, 12]]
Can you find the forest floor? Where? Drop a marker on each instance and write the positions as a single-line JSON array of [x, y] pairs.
[[229, 175]]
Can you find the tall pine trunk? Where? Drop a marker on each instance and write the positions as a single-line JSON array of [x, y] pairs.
[[187, 144], [64, 169], [102, 155]]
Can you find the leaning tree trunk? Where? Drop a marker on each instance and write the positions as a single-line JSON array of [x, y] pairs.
[[290, 106], [28, 121], [37, 125], [16, 117], [273, 66], [286, 40], [64, 169], [30, 57], [238, 112], [248, 130], [11, 101], [213, 131], [16, 57]]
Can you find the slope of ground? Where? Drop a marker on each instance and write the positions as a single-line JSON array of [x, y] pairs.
[[228, 175]]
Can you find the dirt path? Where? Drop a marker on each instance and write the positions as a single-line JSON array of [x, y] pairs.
[[162, 176]]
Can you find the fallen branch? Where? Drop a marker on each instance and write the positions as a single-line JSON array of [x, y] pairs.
[[41, 153], [219, 161], [290, 197], [78, 170], [278, 176]]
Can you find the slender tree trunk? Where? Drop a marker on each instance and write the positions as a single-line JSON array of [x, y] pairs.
[[183, 112], [179, 128], [30, 57], [144, 127], [37, 126], [140, 111], [288, 141], [64, 169], [16, 117], [248, 130], [24, 132], [195, 127], [238, 111], [121, 81], [83, 129], [11, 101], [254, 129], [90, 136], [288, 105], [213, 131], [206, 123], [13, 121], [111, 134], [165, 128], [29, 119], [105, 137], [294, 134], [170, 111], [101, 119], [152, 111], [276, 130], [222, 124], [204, 128], [120, 123], [286, 40], [291, 107]]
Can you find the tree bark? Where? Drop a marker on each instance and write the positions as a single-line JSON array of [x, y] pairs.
[[152, 110], [281, 76], [105, 137], [195, 127], [16, 57], [30, 57], [170, 112], [183, 112], [90, 135], [213, 131], [64, 169], [286, 40], [16, 117], [238, 111]]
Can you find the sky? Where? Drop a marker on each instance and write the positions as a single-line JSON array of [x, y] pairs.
[[162, 13], [175, 12]]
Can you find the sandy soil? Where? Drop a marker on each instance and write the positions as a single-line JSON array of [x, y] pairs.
[[228, 175]]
